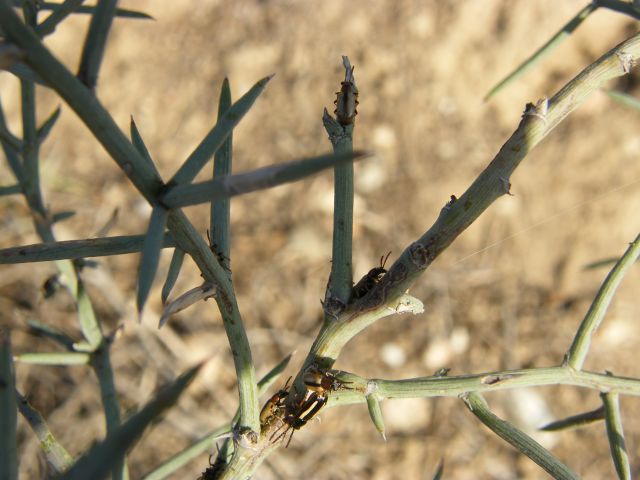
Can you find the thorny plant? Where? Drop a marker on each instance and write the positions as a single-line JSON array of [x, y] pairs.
[[348, 308]]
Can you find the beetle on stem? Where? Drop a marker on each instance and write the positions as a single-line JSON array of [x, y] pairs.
[[272, 410], [366, 283], [346, 101], [318, 385]]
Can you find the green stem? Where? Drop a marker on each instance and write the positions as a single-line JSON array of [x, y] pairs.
[[454, 386], [220, 216], [8, 410], [341, 278], [170, 465], [11, 145], [615, 433], [66, 8], [188, 238], [57, 456], [96, 41], [76, 249], [54, 358], [520, 440], [101, 363], [624, 7], [577, 353], [218, 134], [546, 49], [31, 164]]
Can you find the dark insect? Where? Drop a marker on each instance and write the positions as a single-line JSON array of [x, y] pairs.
[[346, 101], [318, 385], [51, 286], [222, 259], [213, 471], [366, 283], [322, 382], [298, 416]]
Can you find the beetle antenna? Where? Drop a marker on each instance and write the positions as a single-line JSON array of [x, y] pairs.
[[287, 383]]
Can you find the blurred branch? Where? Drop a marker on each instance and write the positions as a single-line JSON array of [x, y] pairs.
[[60, 11], [9, 140], [172, 275], [218, 134], [53, 333], [619, 6], [75, 249], [615, 433], [8, 410], [517, 438], [177, 461], [90, 9], [28, 173], [63, 10], [100, 460], [575, 421], [207, 442], [96, 42], [545, 50], [150, 257], [146, 180], [57, 456], [11, 146], [54, 358], [261, 178], [577, 353], [9, 55], [624, 99]]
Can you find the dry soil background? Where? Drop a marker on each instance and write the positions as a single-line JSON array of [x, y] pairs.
[[510, 292]]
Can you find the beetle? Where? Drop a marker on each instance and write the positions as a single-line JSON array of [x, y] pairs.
[[297, 415], [223, 260], [346, 100], [214, 469], [322, 382], [273, 408], [318, 384], [304, 411], [366, 283]]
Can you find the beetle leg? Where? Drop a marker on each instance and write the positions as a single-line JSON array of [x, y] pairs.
[[290, 437], [277, 435]]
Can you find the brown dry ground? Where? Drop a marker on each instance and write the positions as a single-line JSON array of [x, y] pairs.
[[510, 292]]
